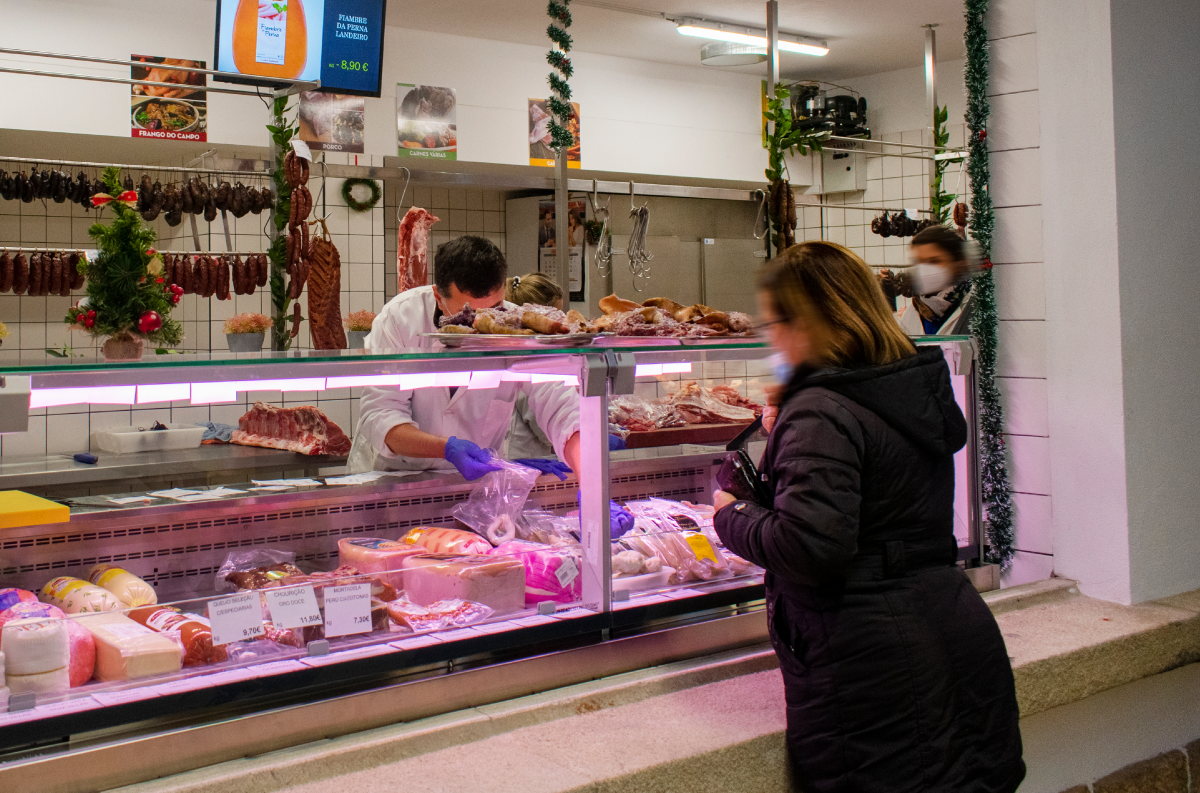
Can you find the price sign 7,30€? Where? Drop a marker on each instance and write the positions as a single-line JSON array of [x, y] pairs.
[[347, 609], [236, 618], [294, 607]]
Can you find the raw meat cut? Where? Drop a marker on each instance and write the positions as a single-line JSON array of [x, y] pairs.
[[301, 429], [412, 249]]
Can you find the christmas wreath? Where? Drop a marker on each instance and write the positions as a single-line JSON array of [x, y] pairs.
[[360, 206]]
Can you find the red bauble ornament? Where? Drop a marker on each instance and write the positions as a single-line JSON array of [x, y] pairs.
[[89, 322], [175, 299], [91, 315], [149, 322], [983, 134]]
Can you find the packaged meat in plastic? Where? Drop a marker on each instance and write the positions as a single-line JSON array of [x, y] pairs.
[[409, 616], [460, 613], [129, 589], [637, 414], [191, 632], [10, 596], [495, 504], [546, 528], [693, 406], [267, 563], [377, 555], [551, 573], [495, 581], [437, 540], [75, 596]]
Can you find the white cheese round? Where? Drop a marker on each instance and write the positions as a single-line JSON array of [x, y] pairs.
[[35, 646], [57, 681]]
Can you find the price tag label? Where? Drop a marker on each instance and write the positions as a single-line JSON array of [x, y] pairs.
[[347, 609], [236, 618], [567, 572], [301, 149], [294, 607]]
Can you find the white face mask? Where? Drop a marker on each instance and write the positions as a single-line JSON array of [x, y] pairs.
[[782, 368], [929, 279]]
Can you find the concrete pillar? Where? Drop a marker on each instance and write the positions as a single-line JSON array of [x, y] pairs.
[[1119, 106]]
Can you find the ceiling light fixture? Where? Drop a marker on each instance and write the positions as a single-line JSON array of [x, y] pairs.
[[742, 34], [726, 53]]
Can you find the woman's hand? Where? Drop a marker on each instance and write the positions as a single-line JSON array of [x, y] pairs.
[[721, 499]]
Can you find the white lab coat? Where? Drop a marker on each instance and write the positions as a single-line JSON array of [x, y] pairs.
[[482, 416]]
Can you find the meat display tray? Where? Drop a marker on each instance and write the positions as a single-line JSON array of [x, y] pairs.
[[505, 341], [692, 433]]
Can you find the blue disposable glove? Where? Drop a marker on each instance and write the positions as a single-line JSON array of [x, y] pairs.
[[615, 443], [470, 460], [546, 466], [620, 519]]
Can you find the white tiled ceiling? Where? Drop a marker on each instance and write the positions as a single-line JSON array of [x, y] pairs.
[[865, 36]]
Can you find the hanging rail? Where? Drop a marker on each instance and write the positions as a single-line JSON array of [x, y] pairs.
[[901, 145], [800, 205], [288, 86], [127, 167], [41, 249], [211, 253]]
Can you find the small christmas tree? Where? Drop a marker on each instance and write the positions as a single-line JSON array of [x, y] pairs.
[[127, 297]]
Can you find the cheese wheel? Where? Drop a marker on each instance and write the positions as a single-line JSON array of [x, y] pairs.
[[77, 597], [129, 589], [35, 646], [375, 555], [10, 597], [53, 682]]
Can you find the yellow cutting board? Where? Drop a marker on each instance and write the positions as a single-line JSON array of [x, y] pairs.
[[22, 509]]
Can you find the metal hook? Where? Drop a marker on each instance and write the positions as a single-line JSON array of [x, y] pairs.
[[403, 193], [631, 204], [324, 177]]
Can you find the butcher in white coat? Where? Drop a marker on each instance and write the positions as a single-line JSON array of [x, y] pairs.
[[442, 428]]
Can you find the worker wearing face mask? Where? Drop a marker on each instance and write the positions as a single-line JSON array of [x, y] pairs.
[[939, 283]]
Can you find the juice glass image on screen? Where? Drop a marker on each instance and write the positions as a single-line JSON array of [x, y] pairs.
[[339, 42]]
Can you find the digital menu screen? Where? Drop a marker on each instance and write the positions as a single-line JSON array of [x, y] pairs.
[[339, 42]]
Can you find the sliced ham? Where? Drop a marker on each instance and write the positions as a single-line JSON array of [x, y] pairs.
[[301, 429], [412, 249]]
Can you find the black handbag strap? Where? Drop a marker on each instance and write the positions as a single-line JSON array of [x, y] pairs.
[[744, 435]]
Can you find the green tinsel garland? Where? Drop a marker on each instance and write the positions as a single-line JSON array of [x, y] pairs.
[[559, 103], [997, 493]]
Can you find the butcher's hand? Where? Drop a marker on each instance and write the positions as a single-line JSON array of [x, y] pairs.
[[771, 409], [619, 519], [470, 460], [546, 466], [722, 499]]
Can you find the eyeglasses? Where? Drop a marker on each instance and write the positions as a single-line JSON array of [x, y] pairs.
[[761, 326]]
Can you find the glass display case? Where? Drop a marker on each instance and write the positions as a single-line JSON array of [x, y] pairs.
[[246, 597]]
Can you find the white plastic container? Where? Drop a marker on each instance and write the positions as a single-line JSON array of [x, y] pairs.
[[123, 440]]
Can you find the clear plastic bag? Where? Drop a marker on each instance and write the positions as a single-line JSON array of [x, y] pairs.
[[255, 559], [540, 526], [637, 414], [495, 505], [692, 405]]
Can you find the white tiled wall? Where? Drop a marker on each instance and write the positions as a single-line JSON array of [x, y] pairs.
[[1014, 137], [460, 211], [893, 183]]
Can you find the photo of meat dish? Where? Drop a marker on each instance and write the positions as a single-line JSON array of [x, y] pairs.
[[157, 114], [425, 118]]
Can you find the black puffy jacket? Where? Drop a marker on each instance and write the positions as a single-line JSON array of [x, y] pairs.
[[896, 675]]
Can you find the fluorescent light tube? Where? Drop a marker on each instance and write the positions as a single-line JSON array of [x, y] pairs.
[[738, 34]]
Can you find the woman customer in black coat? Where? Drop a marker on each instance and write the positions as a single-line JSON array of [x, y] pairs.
[[895, 673]]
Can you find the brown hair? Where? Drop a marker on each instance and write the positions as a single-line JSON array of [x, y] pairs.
[[834, 290], [532, 288], [945, 238]]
